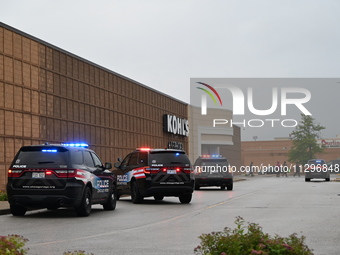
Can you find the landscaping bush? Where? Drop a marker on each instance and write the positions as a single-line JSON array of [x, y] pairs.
[[12, 245], [250, 240], [3, 196]]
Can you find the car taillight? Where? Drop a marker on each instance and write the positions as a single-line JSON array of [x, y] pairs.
[[14, 173], [66, 173], [187, 170], [151, 170], [71, 173]]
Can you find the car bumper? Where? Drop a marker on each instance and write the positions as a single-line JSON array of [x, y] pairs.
[[70, 196], [317, 175], [213, 181], [167, 189]]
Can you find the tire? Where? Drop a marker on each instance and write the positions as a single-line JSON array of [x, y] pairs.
[[230, 186], [328, 179], [307, 179], [185, 198], [84, 209], [17, 210], [158, 197], [110, 205], [197, 187], [222, 187], [136, 197]]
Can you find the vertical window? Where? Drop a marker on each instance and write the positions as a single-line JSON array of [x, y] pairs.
[[96, 160], [133, 159], [143, 159], [88, 159]]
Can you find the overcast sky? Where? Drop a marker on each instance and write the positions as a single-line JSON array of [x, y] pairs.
[[163, 44]]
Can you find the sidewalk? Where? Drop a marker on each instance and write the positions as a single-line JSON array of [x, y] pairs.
[[4, 207]]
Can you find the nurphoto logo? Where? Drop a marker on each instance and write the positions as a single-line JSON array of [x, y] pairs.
[[270, 110]]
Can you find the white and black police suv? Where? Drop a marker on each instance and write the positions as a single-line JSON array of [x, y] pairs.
[[155, 172], [59, 175]]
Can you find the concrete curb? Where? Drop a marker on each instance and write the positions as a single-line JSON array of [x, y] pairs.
[[4, 208]]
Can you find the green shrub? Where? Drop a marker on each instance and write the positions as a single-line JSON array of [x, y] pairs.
[[250, 240], [3, 196], [12, 245]]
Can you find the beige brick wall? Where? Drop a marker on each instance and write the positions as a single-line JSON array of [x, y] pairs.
[[49, 95]]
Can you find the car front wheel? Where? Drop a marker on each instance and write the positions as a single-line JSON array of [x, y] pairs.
[[112, 200]]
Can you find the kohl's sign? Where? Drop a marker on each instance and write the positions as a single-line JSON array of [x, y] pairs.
[[175, 125]]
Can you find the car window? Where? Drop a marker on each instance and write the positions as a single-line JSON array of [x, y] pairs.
[[142, 159], [125, 160], [96, 159], [77, 157], [42, 156], [169, 158], [133, 159], [214, 162], [88, 159], [316, 162]]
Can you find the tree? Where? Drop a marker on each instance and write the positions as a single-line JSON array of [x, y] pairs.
[[305, 144]]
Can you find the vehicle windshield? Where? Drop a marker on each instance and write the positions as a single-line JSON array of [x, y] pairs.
[[316, 162], [212, 167], [214, 162], [42, 156], [169, 158]]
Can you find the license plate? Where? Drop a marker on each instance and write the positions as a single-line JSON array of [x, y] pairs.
[[171, 171], [38, 175]]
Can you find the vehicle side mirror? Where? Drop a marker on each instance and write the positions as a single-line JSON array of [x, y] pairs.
[[108, 165], [119, 159]]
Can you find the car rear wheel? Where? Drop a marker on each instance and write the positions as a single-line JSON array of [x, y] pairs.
[[111, 201], [85, 206], [328, 179], [307, 179], [230, 186], [17, 210], [197, 187], [185, 198], [222, 187], [136, 197]]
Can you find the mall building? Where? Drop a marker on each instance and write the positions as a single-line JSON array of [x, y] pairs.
[[269, 152], [50, 95]]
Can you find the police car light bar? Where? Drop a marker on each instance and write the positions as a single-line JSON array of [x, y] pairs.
[[83, 145], [143, 149], [212, 156], [49, 150]]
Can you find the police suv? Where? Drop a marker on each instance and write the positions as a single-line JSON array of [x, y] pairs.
[[155, 172], [213, 170], [59, 175]]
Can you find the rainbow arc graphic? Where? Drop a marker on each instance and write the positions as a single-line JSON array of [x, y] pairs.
[[213, 95]]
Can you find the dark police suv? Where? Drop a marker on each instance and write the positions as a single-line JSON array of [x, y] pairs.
[[155, 172], [64, 175], [213, 170]]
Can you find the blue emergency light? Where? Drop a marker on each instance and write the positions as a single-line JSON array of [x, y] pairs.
[[212, 156], [44, 150], [83, 145]]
